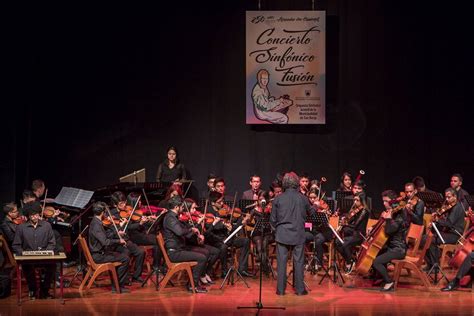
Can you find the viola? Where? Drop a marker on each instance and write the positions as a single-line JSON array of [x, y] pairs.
[[209, 218], [444, 209]]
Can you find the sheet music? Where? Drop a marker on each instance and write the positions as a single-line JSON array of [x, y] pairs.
[[73, 197]]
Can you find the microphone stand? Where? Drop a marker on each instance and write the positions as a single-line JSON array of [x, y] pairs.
[[259, 305]]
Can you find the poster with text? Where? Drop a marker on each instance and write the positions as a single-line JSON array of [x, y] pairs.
[[286, 72]]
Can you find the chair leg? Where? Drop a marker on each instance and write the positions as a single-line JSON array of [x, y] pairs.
[[396, 273], [166, 279], [190, 275], [114, 279], [97, 272], [86, 278]]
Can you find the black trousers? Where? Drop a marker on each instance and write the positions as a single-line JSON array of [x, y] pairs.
[[350, 241], [149, 240], [380, 263], [319, 239], [212, 254], [133, 250], [298, 266], [238, 242], [433, 253], [45, 283], [189, 255], [261, 245], [465, 266], [113, 256]]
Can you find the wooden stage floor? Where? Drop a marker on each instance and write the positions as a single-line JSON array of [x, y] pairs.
[[325, 299]]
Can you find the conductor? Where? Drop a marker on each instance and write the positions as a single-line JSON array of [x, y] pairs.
[[288, 217]]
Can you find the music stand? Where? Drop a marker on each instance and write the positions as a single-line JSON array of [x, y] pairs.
[[323, 219], [262, 224], [316, 221], [77, 198], [135, 177], [229, 276], [346, 204], [244, 203], [436, 268], [470, 200], [158, 223], [432, 199]]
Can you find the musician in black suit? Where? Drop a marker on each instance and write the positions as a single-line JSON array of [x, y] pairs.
[[288, 217]]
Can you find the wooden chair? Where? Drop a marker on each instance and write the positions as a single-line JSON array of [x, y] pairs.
[[413, 264], [174, 267], [96, 269], [10, 262], [450, 249], [415, 233], [426, 221]]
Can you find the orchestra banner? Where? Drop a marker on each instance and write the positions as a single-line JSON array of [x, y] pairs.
[[286, 67]]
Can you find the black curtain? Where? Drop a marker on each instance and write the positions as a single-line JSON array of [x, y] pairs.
[[101, 95]]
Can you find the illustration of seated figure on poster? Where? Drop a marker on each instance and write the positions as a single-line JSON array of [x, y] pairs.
[[266, 107]]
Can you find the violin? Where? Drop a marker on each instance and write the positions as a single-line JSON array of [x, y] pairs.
[[49, 212], [442, 210], [19, 220], [107, 222]]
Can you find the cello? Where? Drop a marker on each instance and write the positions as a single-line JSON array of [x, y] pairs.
[[375, 241]]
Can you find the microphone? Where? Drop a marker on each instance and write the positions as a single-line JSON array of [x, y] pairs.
[[263, 202]]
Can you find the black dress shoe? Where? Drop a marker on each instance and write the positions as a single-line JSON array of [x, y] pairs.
[[122, 290], [246, 274], [454, 284], [280, 293], [137, 280], [302, 293], [198, 289], [46, 296]]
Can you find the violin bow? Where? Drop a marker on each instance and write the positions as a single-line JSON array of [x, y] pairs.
[[131, 214], [187, 189], [233, 207], [44, 203], [112, 220], [146, 199], [205, 211]]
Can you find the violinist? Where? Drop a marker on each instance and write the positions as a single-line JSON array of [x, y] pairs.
[[456, 183], [173, 190], [175, 233], [396, 228], [138, 228], [101, 246], [451, 227], [322, 234], [131, 248], [38, 187], [218, 231], [414, 206], [275, 189], [11, 221], [304, 183], [27, 197], [209, 186], [197, 244], [346, 183], [255, 191], [219, 186], [353, 229]]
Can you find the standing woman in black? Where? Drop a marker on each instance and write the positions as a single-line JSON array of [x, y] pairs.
[[171, 170]]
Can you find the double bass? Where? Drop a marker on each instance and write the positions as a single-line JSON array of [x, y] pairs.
[[375, 241]]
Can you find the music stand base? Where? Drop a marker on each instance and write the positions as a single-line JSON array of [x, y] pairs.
[[229, 277], [437, 269]]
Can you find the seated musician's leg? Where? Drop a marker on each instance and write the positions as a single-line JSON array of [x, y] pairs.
[[185, 255], [380, 266]]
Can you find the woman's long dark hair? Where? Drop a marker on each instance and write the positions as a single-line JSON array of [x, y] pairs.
[[167, 162]]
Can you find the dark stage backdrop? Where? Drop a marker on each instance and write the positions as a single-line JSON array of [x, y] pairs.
[[100, 95]]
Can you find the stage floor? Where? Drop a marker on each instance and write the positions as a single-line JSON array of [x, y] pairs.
[[327, 298]]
